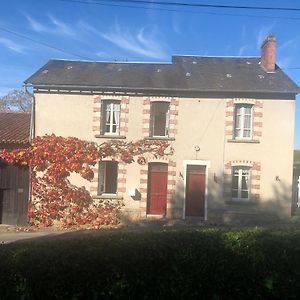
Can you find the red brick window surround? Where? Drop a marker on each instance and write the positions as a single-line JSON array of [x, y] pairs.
[[171, 120], [244, 120], [121, 112], [238, 170], [171, 185], [121, 181]]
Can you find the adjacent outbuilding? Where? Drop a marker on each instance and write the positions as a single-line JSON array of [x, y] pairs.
[[14, 181]]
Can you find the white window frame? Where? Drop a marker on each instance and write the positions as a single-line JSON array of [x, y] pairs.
[[240, 179], [242, 128], [102, 178], [111, 111], [167, 125]]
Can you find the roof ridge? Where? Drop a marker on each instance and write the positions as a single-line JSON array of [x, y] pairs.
[[214, 56], [112, 62]]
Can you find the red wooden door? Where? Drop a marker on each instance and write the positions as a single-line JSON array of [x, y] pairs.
[[157, 188], [195, 191]]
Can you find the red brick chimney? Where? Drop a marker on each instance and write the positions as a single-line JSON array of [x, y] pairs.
[[268, 53]]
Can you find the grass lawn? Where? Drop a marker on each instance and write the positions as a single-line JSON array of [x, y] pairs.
[[173, 264]]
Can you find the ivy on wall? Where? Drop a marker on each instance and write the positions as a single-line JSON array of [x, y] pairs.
[[53, 158]]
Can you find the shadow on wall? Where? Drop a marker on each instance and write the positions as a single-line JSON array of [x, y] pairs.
[[221, 209], [272, 210]]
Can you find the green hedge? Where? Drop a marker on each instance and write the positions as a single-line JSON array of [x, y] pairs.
[[190, 264]]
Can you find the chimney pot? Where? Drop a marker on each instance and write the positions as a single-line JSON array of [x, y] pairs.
[[268, 48]]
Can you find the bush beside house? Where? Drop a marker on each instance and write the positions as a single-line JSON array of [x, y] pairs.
[[201, 264]]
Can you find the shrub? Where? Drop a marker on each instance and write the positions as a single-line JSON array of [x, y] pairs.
[[208, 264]]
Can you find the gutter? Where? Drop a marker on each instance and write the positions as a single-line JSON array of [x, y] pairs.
[[146, 89], [32, 119]]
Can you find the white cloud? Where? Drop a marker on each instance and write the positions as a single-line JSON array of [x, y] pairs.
[[35, 25], [263, 32], [56, 27], [86, 27], [242, 50], [61, 27], [288, 44], [102, 54], [284, 62], [11, 45], [140, 42], [244, 32], [176, 24]]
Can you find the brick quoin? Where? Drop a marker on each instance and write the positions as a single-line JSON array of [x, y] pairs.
[[229, 132], [256, 167], [257, 133], [230, 103], [258, 114], [144, 172], [258, 104], [255, 186], [257, 124]]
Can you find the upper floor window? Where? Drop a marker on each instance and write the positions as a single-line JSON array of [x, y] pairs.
[[107, 177], [240, 183], [110, 117], [159, 119], [243, 121]]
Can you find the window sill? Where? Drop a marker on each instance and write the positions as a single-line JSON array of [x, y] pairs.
[[243, 141], [107, 136], [241, 201], [108, 196], [165, 138]]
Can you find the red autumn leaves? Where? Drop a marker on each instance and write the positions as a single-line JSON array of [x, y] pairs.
[[53, 158]]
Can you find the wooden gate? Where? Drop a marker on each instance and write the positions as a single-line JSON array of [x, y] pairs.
[[14, 194]]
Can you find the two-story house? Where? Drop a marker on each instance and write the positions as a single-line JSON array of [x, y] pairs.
[[230, 121]]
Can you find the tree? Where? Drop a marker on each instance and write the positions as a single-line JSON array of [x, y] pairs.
[[53, 158], [16, 100]]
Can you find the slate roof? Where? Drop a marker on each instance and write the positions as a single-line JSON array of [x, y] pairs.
[[14, 127], [185, 73]]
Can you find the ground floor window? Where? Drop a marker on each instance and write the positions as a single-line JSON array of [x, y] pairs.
[[107, 177], [241, 183]]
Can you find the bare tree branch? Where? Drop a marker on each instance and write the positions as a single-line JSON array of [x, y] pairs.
[[16, 100]]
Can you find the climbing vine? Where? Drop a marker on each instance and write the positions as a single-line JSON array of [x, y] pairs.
[[53, 158]]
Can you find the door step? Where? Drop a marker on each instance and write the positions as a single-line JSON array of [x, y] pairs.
[[154, 217]]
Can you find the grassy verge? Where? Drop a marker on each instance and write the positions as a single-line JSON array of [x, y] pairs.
[[194, 264]]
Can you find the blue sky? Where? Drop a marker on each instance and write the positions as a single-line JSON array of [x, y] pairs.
[[101, 32]]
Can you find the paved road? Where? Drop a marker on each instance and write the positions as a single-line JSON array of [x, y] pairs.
[[10, 237]]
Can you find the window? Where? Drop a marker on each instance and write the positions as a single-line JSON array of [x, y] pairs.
[[243, 121], [111, 117], [159, 119], [107, 177], [241, 183]]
